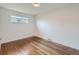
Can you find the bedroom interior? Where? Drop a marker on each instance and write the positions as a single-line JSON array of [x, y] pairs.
[[43, 29]]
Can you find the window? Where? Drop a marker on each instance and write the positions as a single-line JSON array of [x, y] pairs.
[[19, 19]]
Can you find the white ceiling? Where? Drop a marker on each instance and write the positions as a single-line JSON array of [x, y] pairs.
[[28, 8]]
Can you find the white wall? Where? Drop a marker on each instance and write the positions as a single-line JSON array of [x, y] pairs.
[[61, 26], [0, 22], [10, 31]]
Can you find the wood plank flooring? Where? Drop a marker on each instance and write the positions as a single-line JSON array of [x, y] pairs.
[[36, 46], [0, 52]]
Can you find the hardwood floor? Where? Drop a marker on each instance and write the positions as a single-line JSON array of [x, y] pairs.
[[0, 52], [36, 46]]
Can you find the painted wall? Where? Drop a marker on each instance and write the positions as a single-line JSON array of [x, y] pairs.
[[11, 31], [0, 29], [61, 25]]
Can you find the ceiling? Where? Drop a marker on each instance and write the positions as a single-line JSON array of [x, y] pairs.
[[29, 9]]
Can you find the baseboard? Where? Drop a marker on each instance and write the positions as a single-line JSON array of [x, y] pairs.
[[56, 42], [17, 39], [43, 39]]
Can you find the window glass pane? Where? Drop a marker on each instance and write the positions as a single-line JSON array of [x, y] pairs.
[[19, 19]]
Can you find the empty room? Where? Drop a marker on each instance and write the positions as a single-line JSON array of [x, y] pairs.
[[39, 28]]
